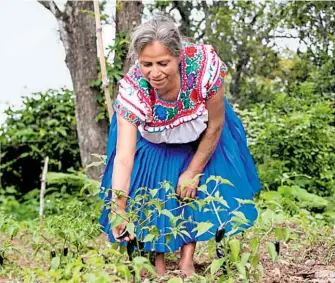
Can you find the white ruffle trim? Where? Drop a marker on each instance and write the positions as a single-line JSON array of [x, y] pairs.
[[183, 130]]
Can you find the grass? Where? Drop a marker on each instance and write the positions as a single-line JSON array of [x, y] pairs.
[[308, 255]]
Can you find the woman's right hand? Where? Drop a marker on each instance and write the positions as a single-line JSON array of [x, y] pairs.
[[117, 231]]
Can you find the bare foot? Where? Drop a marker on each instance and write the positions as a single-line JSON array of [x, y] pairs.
[[160, 264], [187, 267], [186, 262]]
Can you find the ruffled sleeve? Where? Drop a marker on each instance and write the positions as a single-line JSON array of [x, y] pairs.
[[131, 102], [215, 72]]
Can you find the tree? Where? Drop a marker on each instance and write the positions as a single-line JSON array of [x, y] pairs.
[[313, 23], [189, 25], [128, 16], [242, 32], [78, 34]]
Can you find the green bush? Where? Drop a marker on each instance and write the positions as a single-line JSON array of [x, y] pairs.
[[44, 126], [294, 134]]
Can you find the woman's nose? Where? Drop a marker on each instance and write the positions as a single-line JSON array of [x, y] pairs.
[[155, 72]]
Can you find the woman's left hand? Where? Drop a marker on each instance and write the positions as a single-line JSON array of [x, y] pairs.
[[187, 184]]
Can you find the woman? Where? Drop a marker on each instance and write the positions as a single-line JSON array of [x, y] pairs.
[[172, 123]]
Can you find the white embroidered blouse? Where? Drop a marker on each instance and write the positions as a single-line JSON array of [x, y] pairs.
[[182, 120]]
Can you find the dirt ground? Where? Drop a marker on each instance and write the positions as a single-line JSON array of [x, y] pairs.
[[296, 263]]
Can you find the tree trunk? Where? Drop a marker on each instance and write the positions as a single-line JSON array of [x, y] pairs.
[[127, 17], [78, 34], [184, 8]]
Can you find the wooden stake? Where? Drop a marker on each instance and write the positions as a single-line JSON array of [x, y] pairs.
[[105, 81], [43, 185]]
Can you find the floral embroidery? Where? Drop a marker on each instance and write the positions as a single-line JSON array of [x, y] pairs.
[[190, 51], [160, 112], [194, 95], [196, 87], [191, 80], [124, 112], [219, 81], [137, 73]]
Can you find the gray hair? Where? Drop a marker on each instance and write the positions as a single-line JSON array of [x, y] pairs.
[[159, 28]]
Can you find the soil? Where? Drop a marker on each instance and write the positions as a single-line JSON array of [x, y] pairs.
[[296, 263]]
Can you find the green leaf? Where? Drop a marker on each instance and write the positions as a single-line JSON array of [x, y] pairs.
[[237, 221], [203, 188], [25, 154], [223, 202], [115, 220], [245, 257], [215, 265], [139, 260], [202, 227], [153, 192], [149, 238], [241, 269], [235, 248], [286, 234], [184, 232], [272, 250], [211, 178], [13, 230], [254, 260], [244, 201], [167, 213], [175, 280], [254, 243], [225, 181], [94, 164], [131, 228], [267, 216], [278, 233], [62, 131], [240, 215], [261, 270], [55, 262], [168, 239]]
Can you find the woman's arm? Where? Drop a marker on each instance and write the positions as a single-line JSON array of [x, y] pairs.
[[123, 165], [207, 145], [209, 140]]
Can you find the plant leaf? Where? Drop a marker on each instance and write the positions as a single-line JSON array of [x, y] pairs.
[[202, 227], [272, 250], [215, 265], [235, 248]]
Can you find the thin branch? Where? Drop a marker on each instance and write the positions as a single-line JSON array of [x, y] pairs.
[[284, 36], [46, 4], [258, 14], [52, 7], [173, 7], [197, 28]]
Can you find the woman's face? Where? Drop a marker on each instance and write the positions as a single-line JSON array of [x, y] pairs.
[[159, 67]]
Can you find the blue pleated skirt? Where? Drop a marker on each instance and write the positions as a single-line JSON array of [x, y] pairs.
[[156, 163]]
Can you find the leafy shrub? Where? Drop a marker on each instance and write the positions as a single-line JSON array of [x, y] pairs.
[[293, 198], [294, 134], [44, 126]]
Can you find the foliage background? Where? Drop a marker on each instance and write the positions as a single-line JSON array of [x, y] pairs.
[[285, 99]]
